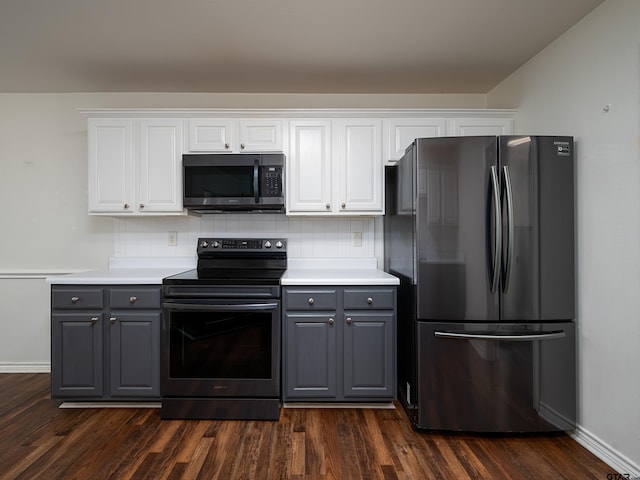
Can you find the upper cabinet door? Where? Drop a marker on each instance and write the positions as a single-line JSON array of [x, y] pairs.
[[210, 135], [401, 132], [481, 126], [160, 166], [235, 136], [358, 165], [260, 135], [309, 167], [111, 170]]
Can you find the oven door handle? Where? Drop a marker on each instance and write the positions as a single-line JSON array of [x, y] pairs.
[[212, 307]]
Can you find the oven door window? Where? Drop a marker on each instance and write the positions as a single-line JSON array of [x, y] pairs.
[[209, 344]]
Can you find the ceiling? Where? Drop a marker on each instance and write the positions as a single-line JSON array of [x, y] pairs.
[[274, 46]]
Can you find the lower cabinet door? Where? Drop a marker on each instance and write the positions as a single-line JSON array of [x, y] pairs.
[[134, 342], [76, 364], [310, 356], [369, 363]]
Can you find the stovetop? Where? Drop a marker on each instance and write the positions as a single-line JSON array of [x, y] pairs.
[[236, 261], [226, 277]]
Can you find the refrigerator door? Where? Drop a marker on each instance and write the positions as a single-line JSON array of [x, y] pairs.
[[537, 262], [457, 228], [499, 377]]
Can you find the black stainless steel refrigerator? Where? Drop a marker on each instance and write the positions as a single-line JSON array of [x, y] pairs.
[[480, 231]]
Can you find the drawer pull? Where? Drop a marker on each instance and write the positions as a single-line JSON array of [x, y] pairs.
[[311, 301], [349, 320], [331, 321], [369, 300], [94, 320], [75, 299], [133, 299], [112, 320]]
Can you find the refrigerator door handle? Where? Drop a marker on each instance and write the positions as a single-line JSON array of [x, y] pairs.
[[510, 233], [495, 272], [501, 337]]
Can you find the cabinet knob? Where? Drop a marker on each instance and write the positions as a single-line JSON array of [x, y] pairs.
[[141, 206], [331, 321], [112, 320], [94, 320], [369, 300], [328, 206], [311, 301], [344, 205], [126, 206], [226, 145], [242, 146], [75, 299], [133, 299], [349, 320]]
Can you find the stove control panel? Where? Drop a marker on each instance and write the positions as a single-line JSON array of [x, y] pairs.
[[241, 244]]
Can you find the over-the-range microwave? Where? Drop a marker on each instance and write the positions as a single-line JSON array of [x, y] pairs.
[[233, 182]]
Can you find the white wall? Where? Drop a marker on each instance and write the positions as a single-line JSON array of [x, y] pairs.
[[564, 90], [44, 223]]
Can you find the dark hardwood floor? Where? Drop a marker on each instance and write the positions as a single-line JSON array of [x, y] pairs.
[[40, 441]]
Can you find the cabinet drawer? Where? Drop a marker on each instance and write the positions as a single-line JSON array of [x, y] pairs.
[[367, 298], [135, 297], [77, 298], [309, 299]]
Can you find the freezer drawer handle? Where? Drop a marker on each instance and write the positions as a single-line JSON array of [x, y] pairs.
[[501, 337]]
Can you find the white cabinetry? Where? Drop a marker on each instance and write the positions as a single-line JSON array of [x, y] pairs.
[[135, 166], [480, 126], [335, 167], [401, 132], [233, 136]]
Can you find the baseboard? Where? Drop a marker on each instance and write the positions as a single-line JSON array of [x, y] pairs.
[[26, 367], [617, 461]]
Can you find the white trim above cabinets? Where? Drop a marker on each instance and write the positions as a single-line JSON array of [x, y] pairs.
[[335, 157]]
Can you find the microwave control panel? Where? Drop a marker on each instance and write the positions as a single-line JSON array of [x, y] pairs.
[[271, 181]]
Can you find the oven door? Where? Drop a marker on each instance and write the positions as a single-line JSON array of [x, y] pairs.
[[221, 348]]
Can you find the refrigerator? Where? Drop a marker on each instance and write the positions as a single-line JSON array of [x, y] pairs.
[[480, 231]]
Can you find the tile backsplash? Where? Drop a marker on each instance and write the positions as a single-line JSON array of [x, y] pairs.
[[308, 236]]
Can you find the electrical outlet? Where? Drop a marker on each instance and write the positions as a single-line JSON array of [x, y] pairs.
[[173, 239], [357, 239]]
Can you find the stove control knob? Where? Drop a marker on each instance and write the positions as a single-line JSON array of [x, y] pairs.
[[279, 244], [267, 244], [216, 244], [204, 244]]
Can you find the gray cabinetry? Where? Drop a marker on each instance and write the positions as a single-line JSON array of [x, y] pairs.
[[105, 342], [339, 344]]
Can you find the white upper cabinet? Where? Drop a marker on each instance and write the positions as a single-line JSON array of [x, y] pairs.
[[222, 135], [135, 166], [358, 166], [401, 132], [335, 167], [480, 126], [308, 169], [160, 166]]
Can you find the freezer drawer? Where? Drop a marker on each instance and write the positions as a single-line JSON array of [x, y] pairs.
[[489, 377]]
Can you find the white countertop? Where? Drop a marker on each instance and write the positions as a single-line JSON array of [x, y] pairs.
[[336, 271], [300, 271], [134, 271]]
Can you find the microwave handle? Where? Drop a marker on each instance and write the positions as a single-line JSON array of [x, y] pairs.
[[256, 185]]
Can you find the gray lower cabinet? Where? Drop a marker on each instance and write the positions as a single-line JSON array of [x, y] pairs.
[[105, 342], [339, 344]]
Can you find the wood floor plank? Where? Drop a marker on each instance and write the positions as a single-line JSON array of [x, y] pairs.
[[40, 441]]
